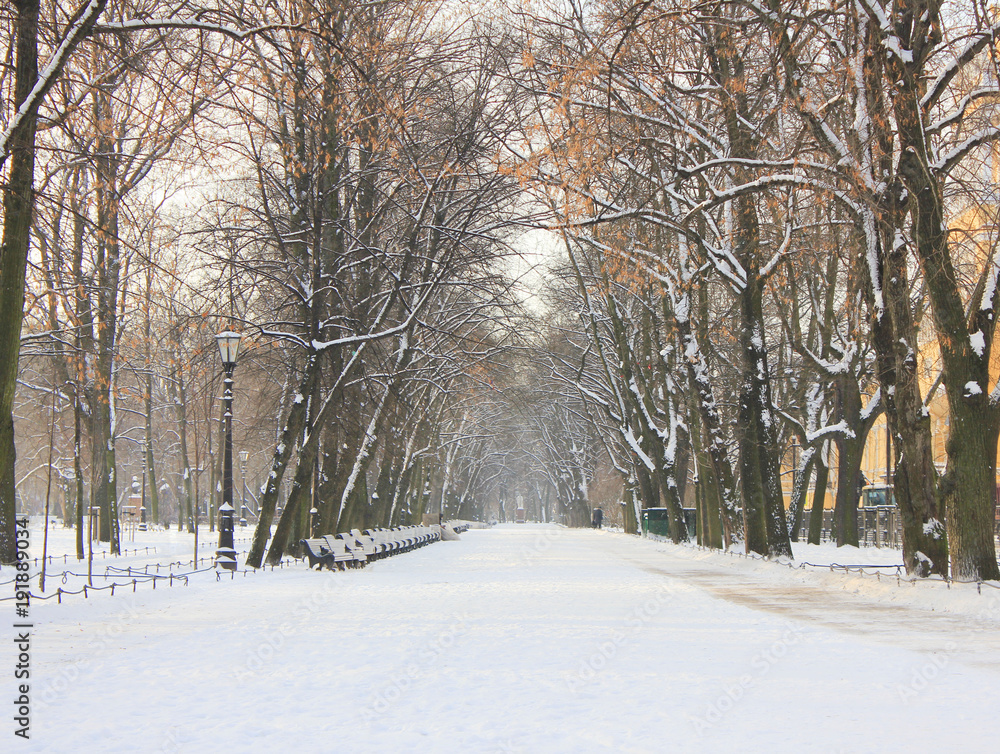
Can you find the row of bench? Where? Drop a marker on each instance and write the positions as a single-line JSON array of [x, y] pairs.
[[354, 549]]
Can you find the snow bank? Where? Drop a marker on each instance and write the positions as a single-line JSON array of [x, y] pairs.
[[522, 638]]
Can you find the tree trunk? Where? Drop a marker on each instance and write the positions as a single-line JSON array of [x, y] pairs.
[[710, 507], [819, 497], [664, 469], [299, 495], [18, 205], [78, 485], [154, 492], [845, 511], [850, 449], [419, 501], [715, 443], [360, 514], [800, 489], [763, 504], [629, 523], [968, 488], [279, 463]]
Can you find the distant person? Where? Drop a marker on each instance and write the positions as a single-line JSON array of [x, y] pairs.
[[598, 518]]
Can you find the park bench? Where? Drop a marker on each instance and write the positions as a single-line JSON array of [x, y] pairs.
[[355, 548], [317, 553], [322, 551], [409, 536], [345, 556], [352, 545], [386, 540], [419, 534], [372, 551], [404, 538]]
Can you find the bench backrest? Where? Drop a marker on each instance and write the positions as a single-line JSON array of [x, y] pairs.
[[382, 538], [316, 546], [337, 546], [366, 542], [351, 543]]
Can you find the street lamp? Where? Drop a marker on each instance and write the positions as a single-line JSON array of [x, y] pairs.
[[244, 457], [225, 556], [142, 509]]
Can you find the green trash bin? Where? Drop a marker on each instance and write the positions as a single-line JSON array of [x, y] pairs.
[[656, 521]]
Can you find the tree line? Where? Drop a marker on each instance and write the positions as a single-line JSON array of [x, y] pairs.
[[776, 215], [776, 223]]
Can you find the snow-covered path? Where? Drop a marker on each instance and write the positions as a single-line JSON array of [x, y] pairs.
[[523, 639]]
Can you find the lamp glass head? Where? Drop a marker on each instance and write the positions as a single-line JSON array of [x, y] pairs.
[[229, 345]]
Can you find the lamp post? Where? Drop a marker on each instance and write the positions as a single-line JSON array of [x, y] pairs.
[[244, 457], [142, 509], [225, 556]]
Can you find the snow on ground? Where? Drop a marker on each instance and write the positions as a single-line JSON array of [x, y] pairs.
[[523, 638]]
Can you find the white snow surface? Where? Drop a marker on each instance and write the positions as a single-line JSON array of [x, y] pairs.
[[522, 638], [978, 342]]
